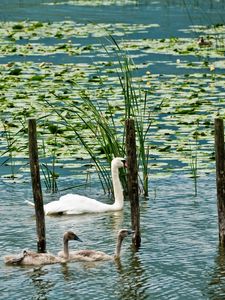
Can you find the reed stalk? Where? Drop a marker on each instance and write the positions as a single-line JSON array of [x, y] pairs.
[[49, 171], [103, 137], [194, 164], [106, 137], [135, 101], [10, 149]]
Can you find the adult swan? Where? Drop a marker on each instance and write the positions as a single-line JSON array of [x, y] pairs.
[[76, 204]]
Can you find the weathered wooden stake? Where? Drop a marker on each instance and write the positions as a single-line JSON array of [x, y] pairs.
[[220, 177], [36, 185], [133, 181]]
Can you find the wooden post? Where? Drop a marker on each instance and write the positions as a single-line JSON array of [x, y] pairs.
[[133, 181], [220, 177], [36, 185]]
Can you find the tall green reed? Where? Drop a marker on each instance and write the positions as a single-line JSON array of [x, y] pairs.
[[96, 133], [99, 129], [135, 100], [10, 149], [194, 162], [49, 167], [12, 134]]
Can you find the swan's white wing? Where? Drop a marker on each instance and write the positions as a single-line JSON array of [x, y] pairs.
[[77, 204], [54, 207]]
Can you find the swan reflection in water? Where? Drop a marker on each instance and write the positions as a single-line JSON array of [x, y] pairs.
[[132, 281]]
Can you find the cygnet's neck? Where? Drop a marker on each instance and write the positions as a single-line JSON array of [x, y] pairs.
[[117, 188], [118, 247], [66, 247]]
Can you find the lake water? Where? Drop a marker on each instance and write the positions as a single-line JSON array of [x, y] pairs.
[[179, 257]]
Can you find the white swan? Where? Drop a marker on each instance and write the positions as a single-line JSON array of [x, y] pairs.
[[31, 258], [91, 255], [77, 204]]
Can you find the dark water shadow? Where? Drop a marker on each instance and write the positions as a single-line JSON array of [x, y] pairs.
[[132, 280], [41, 284], [216, 285]]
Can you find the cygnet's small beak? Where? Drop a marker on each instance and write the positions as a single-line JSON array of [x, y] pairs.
[[77, 239], [131, 232]]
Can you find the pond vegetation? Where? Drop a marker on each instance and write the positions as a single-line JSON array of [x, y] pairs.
[[81, 68], [81, 107]]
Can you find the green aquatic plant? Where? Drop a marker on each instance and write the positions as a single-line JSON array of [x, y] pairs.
[[10, 148], [50, 177], [163, 105], [194, 165], [136, 107], [96, 132], [49, 171], [99, 130], [193, 158], [12, 134]]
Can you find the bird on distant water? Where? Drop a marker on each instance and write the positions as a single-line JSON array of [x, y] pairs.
[[77, 204], [91, 255], [204, 43]]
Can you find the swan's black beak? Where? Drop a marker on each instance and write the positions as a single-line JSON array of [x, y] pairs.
[[76, 238], [124, 161], [130, 232]]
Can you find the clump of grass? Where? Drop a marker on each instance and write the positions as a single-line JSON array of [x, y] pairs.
[[194, 163], [98, 128], [96, 133], [50, 178], [135, 100], [49, 170], [11, 134], [192, 156], [10, 148]]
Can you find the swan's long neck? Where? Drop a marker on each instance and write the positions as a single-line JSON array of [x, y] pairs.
[[118, 247], [66, 248], [117, 188]]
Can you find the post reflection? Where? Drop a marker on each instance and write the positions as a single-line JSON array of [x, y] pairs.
[[41, 283], [132, 280], [216, 285]]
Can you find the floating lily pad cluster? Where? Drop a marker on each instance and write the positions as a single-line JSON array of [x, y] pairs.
[[56, 63]]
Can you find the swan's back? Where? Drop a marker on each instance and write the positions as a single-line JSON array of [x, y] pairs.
[[80, 255], [76, 204], [13, 259], [92, 255], [32, 259], [89, 255]]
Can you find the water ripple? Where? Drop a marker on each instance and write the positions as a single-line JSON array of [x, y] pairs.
[[178, 258]]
